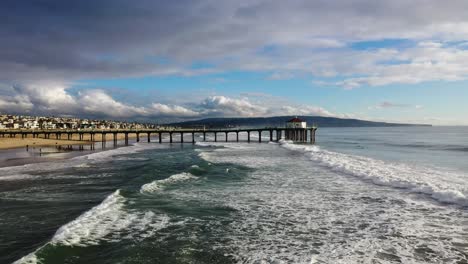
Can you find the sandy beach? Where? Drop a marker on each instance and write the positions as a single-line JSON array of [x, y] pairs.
[[18, 142]]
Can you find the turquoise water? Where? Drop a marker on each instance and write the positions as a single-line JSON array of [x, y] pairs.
[[361, 195]]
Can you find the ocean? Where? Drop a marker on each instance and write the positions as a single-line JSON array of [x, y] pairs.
[[360, 195]]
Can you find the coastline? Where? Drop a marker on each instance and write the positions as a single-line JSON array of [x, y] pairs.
[[15, 143], [18, 151]]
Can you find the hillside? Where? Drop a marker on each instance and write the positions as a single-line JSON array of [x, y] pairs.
[[278, 121]]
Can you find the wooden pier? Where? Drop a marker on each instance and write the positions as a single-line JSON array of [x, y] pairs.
[[302, 135]]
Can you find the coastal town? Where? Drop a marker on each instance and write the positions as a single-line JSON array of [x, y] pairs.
[[21, 122]]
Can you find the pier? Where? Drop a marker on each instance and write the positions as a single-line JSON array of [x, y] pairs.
[[301, 135]]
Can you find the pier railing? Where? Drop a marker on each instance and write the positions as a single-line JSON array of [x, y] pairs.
[[273, 134]]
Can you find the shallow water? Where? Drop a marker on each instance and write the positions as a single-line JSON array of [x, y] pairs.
[[359, 196]]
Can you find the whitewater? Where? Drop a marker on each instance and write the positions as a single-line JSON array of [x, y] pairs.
[[358, 196]]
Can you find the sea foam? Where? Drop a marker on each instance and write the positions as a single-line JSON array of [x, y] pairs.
[[28, 171], [107, 222], [157, 185], [448, 187]]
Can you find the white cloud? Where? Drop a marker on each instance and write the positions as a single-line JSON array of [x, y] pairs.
[[99, 103], [159, 109], [16, 104], [305, 110], [387, 104], [225, 106], [428, 61]]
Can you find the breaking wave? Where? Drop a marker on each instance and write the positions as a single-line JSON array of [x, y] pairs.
[[24, 172], [107, 222], [157, 185], [447, 187]]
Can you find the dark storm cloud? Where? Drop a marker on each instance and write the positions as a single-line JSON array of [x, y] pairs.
[[74, 39], [46, 45]]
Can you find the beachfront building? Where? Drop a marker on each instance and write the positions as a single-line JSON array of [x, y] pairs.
[[296, 130], [296, 123]]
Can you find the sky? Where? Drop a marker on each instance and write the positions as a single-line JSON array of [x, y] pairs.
[[158, 61]]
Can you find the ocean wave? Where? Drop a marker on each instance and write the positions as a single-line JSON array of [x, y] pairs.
[[108, 222], [206, 144], [157, 185], [447, 187], [77, 162], [95, 223], [462, 149], [423, 145], [16, 177], [105, 155]]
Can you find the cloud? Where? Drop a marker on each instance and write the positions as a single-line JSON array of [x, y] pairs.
[[427, 61], [306, 110], [97, 102], [84, 40], [16, 104], [225, 106], [159, 109], [387, 104]]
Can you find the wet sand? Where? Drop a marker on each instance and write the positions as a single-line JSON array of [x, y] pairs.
[[18, 142]]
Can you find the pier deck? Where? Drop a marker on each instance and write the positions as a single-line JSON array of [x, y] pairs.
[[304, 135]]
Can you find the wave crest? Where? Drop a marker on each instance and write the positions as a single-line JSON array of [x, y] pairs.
[[157, 185], [448, 187]]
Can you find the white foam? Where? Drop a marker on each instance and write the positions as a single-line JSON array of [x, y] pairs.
[[206, 144], [28, 259], [157, 185], [16, 177], [444, 186], [9, 173], [95, 223], [109, 221], [245, 155], [105, 155]]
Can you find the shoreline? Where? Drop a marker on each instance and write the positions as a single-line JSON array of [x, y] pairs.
[[17, 151], [29, 142]]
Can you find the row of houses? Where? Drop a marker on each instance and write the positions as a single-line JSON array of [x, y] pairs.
[[41, 123]]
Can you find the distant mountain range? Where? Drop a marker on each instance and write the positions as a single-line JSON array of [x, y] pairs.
[[279, 121]]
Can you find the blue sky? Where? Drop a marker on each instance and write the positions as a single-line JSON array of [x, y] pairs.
[[394, 61]]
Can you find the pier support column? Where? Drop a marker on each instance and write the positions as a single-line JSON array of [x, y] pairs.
[[138, 137], [248, 136], [226, 136], [160, 137], [181, 137], [149, 137], [126, 138], [216, 137], [103, 137], [312, 136], [259, 136], [271, 135], [204, 136], [170, 137], [237, 136], [115, 138], [193, 137]]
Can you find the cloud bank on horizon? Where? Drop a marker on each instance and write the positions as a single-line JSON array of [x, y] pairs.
[[47, 47]]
